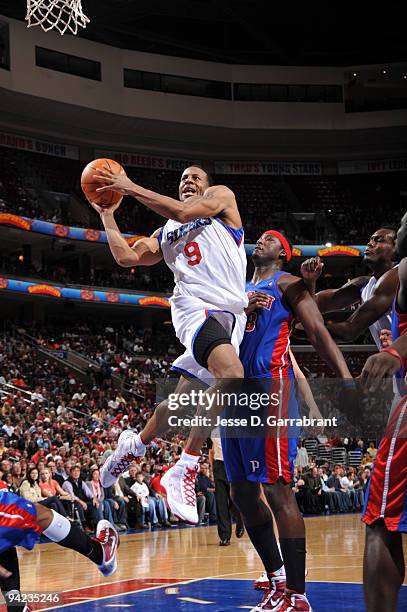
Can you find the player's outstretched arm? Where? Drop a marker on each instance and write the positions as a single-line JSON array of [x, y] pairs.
[[305, 309], [390, 360], [368, 313], [329, 300], [216, 200], [145, 252]]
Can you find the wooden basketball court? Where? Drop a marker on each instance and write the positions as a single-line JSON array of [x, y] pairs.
[[184, 569]]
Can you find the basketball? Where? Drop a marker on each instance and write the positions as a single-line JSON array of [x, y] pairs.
[[89, 184]]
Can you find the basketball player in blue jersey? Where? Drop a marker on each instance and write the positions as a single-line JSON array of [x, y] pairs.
[[253, 463], [23, 522], [202, 244], [385, 511]]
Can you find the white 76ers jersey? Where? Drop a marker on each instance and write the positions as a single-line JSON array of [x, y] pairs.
[[385, 321], [208, 260]]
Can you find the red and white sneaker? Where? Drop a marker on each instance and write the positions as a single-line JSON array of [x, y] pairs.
[[129, 447], [263, 583], [295, 602], [179, 483], [273, 598], [108, 537]]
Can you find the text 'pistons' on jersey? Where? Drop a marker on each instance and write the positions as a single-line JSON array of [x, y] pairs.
[[264, 351], [208, 260]]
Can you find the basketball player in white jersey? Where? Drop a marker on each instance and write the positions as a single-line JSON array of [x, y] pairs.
[[376, 292], [202, 243]]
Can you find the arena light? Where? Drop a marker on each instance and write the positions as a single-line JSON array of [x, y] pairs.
[[328, 244], [355, 74]]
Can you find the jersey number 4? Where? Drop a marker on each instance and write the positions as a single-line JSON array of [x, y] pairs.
[[192, 252]]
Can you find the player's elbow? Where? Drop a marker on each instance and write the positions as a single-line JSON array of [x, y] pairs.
[[125, 261]]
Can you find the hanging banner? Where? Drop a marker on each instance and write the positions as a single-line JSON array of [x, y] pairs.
[[373, 165], [87, 295], [140, 160], [288, 168], [34, 145]]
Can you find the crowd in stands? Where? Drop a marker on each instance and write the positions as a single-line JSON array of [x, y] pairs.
[[323, 487], [347, 208]]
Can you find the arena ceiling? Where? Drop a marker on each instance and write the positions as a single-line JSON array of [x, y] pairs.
[[248, 31]]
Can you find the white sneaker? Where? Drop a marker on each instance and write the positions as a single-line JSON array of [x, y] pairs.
[[107, 536], [179, 483], [129, 447]]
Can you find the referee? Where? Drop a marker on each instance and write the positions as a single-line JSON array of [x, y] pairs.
[[224, 505]]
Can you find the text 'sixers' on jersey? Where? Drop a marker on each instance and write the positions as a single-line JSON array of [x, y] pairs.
[[208, 260]]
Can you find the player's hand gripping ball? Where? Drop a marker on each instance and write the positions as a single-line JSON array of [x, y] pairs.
[[93, 179]]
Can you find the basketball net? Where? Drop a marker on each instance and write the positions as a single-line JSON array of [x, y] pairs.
[[62, 15]]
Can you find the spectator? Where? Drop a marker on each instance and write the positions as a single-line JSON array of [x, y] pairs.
[[372, 451], [84, 503], [160, 496], [334, 484], [205, 490], [103, 507], [313, 492], [61, 474], [148, 507], [18, 475], [51, 488], [302, 455], [134, 512], [117, 502]]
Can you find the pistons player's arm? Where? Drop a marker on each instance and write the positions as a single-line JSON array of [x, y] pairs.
[[368, 313], [388, 361], [299, 300], [329, 300], [145, 252]]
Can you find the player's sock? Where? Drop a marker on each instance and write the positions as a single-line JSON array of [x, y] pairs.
[[293, 550], [70, 535], [190, 456], [264, 541]]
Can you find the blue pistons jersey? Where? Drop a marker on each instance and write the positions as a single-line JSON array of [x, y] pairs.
[[18, 522], [264, 351], [265, 453]]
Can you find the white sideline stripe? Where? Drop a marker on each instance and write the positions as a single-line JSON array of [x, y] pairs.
[[197, 601]]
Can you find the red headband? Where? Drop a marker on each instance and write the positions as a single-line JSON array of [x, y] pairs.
[[284, 242]]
